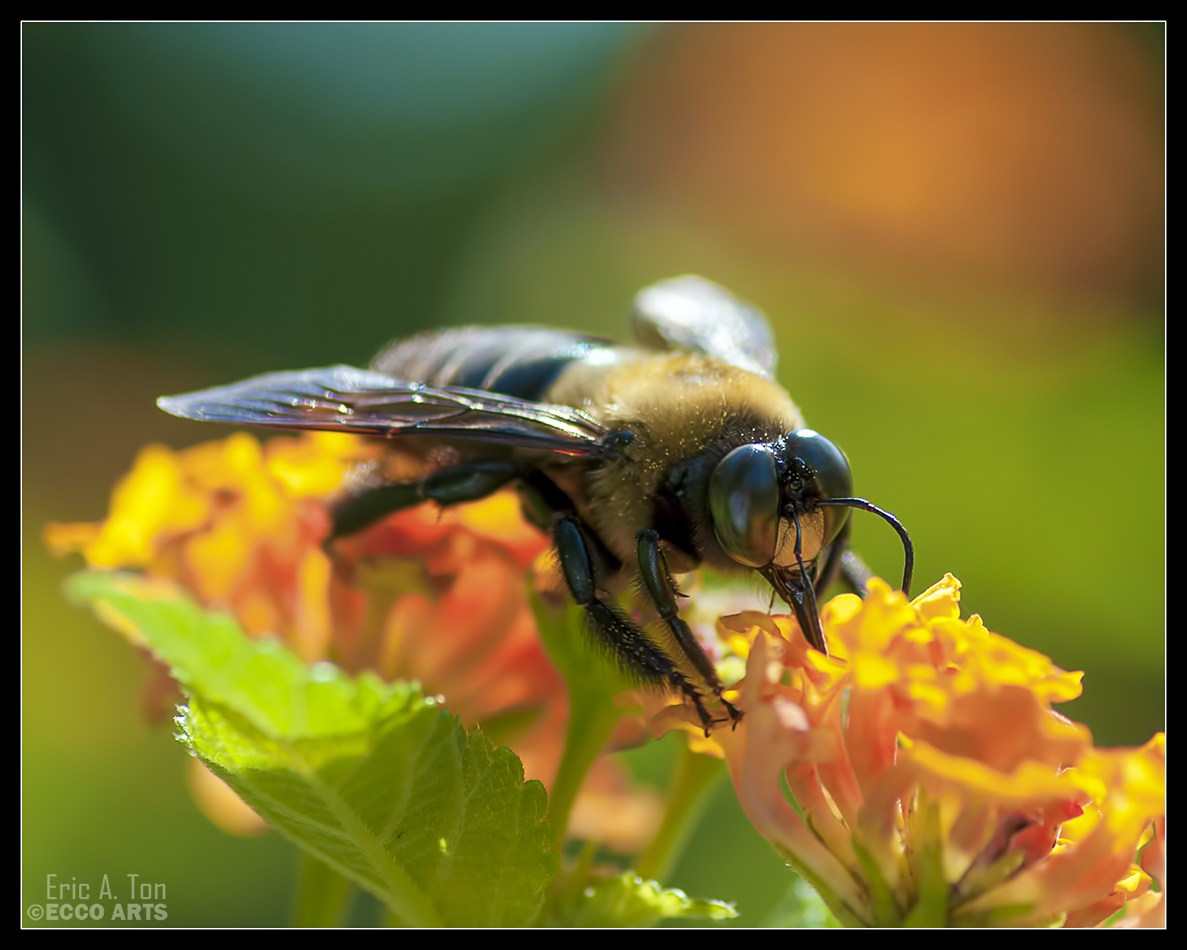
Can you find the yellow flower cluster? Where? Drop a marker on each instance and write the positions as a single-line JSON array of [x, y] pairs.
[[427, 594], [930, 779]]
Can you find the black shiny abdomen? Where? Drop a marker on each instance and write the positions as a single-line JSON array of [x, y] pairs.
[[513, 361]]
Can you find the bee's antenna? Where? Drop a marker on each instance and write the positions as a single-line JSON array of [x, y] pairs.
[[862, 504]]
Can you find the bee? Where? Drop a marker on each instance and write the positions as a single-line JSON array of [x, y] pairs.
[[640, 462]]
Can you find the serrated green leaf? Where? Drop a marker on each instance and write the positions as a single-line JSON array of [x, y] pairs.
[[630, 901], [369, 777], [273, 688]]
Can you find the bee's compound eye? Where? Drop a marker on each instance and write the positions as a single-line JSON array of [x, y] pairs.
[[744, 504], [833, 478]]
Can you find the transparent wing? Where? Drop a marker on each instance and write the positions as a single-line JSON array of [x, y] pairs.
[[691, 313], [342, 398]]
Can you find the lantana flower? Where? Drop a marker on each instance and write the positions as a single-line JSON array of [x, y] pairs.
[[916, 774], [435, 595], [930, 780]]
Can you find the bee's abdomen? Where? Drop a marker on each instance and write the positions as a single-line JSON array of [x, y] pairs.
[[514, 361]]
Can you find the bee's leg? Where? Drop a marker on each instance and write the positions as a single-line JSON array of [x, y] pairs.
[[621, 635], [827, 575], [662, 590], [842, 563], [856, 575], [468, 481]]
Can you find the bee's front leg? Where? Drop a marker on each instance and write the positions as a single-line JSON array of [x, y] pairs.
[[662, 590], [467, 481], [844, 565], [624, 638]]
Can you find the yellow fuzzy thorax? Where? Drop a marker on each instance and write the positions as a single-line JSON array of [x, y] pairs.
[[673, 404]]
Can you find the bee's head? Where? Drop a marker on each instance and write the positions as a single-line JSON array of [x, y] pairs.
[[776, 505], [759, 491]]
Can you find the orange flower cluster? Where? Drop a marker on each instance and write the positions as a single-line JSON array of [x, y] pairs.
[[437, 596], [931, 780]]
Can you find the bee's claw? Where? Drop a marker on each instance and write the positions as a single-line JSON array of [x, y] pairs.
[[734, 717]]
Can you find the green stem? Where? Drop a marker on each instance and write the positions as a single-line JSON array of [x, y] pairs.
[[689, 794], [370, 640], [591, 721], [566, 888], [592, 685], [323, 895]]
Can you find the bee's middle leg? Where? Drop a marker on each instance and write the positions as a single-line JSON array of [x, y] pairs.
[[662, 590], [467, 481], [844, 565], [624, 638]]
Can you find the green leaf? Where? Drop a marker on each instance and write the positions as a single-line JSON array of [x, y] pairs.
[[630, 901], [371, 778]]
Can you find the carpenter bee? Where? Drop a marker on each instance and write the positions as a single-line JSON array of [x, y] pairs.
[[641, 461]]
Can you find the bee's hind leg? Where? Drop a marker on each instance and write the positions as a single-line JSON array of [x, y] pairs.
[[662, 590], [468, 481], [624, 638]]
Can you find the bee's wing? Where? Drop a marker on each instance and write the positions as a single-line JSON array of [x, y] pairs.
[[691, 313], [342, 398]]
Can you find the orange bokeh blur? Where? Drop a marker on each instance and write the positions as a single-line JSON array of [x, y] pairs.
[[1023, 154]]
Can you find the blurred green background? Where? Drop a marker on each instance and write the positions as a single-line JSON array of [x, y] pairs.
[[957, 231]]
